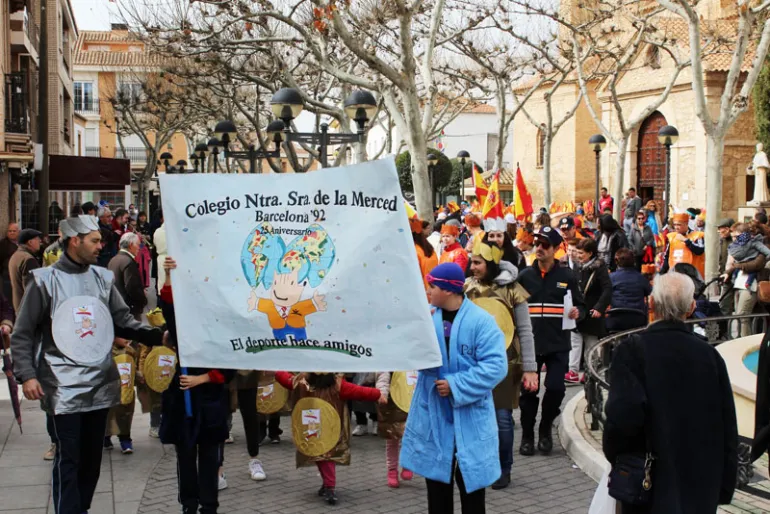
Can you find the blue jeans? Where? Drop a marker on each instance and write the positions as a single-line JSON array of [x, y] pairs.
[[505, 435]]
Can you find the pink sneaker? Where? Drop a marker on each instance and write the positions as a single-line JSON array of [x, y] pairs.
[[406, 475], [572, 378], [393, 478]]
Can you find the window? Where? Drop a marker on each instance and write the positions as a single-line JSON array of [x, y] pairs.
[[98, 48], [84, 96], [540, 148], [130, 91]]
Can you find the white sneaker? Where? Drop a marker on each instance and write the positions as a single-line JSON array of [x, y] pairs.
[[374, 428], [256, 470], [155, 432], [360, 430], [222, 481], [230, 439]]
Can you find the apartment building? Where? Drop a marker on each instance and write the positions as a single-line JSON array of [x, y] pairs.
[[20, 34]]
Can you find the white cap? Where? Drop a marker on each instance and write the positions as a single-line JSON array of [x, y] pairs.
[[78, 225]]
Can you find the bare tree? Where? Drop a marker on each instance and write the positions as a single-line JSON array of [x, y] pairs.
[[750, 35], [611, 52]]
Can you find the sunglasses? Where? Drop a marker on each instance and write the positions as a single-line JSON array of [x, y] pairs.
[[544, 244]]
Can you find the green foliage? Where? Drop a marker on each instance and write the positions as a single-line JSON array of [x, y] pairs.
[[761, 97], [443, 173]]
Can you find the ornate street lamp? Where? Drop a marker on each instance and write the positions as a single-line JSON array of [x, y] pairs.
[[464, 156], [360, 106], [667, 136], [225, 134], [597, 142]]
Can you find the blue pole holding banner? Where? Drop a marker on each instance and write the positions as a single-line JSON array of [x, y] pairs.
[[187, 399]]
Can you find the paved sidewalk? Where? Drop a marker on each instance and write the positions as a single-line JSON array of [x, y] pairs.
[[145, 482], [25, 478]]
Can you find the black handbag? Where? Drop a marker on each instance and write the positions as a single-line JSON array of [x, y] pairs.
[[630, 480]]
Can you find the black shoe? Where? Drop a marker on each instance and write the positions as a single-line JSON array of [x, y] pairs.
[[108, 443], [502, 482], [545, 444], [330, 497], [322, 491], [527, 447]]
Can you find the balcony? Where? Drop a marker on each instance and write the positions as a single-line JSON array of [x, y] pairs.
[[134, 154], [25, 34], [93, 151], [17, 115], [87, 105]]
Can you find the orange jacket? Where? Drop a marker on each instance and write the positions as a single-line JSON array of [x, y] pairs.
[[426, 263]]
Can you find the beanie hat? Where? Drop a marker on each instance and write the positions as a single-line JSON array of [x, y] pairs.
[[448, 276]]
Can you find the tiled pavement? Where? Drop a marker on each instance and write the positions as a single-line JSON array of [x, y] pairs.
[[540, 484], [146, 481]]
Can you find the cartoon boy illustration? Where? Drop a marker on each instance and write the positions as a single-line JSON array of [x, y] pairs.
[[84, 319], [285, 272]]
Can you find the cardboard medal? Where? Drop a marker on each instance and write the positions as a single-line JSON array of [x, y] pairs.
[[127, 371], [159, 368], [315, 426], [402, 384], [155, 317], [502, 316], [271, 397], [82, 329]]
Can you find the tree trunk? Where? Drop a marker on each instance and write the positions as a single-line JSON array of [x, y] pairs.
[[418, 150], [547, 171], [620, 167], [715, 149], [502, 133]]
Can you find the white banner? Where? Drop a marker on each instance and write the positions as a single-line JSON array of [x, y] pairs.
[[303, 272]]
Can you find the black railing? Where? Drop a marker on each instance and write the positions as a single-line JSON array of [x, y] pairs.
[[87, 105], [135, 154], [716, 330], [93, 151], [16, 103], [598, 358]]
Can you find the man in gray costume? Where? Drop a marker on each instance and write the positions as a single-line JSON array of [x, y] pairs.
[[61, 345]]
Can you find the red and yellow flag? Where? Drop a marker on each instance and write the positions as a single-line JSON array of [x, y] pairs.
[[493, 205], [478, 183], [522, 200]]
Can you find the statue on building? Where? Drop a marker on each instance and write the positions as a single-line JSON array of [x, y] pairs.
[[759, 168]]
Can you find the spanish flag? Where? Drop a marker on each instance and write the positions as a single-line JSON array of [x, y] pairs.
[[522, 200], [453, 207], [479, 184], [493, 211]]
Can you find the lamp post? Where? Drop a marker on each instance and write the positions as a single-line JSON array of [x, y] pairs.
[[667, 136], [213, 147], [597, 143], [226, 131], [463, 155], [432, 162], [199, 156], [360, 106]]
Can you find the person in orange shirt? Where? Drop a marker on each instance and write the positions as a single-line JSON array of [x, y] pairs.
[[453, 252], [426, 255], [684, 246]]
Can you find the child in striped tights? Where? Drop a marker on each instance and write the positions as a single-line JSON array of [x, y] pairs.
[[392, 422]]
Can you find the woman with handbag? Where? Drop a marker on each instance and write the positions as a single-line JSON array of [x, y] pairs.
[[597, 291], [671, 433]]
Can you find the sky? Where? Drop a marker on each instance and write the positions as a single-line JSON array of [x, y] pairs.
[[93, 14]]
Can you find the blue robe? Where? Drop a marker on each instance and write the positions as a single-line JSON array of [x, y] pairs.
[[465, 421]]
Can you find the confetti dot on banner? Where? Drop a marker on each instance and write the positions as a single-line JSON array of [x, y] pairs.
[[344, 311], [364, 265], [387, 281], [185, 229], [401, 230], [389, 327], [337, 298], [206, 279]]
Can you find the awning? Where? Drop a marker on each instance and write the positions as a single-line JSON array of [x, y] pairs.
[[74, 173]]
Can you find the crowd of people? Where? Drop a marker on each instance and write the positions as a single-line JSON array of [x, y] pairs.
[[564, 280]]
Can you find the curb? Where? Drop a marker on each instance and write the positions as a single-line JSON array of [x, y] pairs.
[[587, 458]]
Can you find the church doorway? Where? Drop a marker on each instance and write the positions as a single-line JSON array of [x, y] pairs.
[[651, 161]]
